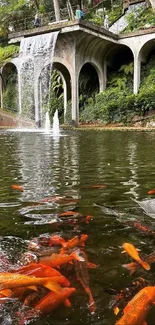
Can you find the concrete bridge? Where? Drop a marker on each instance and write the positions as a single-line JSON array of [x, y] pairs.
[[80, 43]]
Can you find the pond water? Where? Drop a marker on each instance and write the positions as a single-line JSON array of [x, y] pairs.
[[71, 165]]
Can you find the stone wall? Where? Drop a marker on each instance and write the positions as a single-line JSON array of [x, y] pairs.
[[8, 120]]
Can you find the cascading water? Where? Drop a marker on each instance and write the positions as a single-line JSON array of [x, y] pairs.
[[56, 129], [34, 65]]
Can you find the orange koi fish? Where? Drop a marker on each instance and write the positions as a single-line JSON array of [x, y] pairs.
[[95, 186], [56, 240], [133, 252], [58, 199], [151, 192], [125, 294], [41, 270], [74, 242], [136, 310], [14, 280], [48, 303], [17, 187], [52, 300], [68, 213], [52, 199], [133, 267], [143, 228], [56, 260]]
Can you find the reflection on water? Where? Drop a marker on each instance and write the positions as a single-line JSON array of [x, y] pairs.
[[58, 174]]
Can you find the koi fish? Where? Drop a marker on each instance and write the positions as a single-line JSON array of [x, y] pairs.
[[82, 275], [74, 242], [133, 267], [48, 303], [56, 240], [52, 199], [41, 270], [125, 294], [56, 260], [68, 213], [136, 310], [133, 252], [143, 228], [17, 187], [98, 186], [58, 199], [151, 192], [14, 280]]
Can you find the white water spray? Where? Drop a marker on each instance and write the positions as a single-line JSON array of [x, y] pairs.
[[56, 129], [47, 123]]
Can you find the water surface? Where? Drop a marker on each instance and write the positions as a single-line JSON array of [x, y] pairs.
[[69, 166]]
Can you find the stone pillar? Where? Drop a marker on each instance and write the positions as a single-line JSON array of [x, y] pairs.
[[20, 91], [75, 99], [137, 68], [103, 78], [65, 93]]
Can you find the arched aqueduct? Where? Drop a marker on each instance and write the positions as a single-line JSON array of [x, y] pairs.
[[81, 43]]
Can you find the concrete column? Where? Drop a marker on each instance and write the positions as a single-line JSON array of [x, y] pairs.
[[137, 70], [75, 99], [65, 97], [65, 93], [20, 91], [104, 76]]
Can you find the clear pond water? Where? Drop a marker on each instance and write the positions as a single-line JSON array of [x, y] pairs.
[[70, 166]]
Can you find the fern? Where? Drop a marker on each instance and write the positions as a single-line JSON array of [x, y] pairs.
[[127, 68]]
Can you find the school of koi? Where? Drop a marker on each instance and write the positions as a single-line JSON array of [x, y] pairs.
[[41, 287]]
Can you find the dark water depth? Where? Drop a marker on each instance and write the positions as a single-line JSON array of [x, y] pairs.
[[70, 166]]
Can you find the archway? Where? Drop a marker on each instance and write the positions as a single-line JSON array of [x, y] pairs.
[[88, 84], [10, 87], [146, 89], [120, 67], [60, 92]]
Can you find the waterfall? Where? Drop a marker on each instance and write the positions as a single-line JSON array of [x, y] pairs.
[[34, 66]]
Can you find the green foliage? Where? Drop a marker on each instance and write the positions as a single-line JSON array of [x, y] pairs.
[[56, 96], [119, 104], [6, 53], [10, 95], [119, 83], [145, 18], [127, 68]]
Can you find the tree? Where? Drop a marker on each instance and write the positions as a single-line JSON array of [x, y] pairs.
[[57, 9]]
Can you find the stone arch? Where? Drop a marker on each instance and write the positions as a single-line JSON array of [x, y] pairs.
[[66, 78], [7, 69], [146, 49], [9, 76], [116, 56], [90, 81], [98, 71]]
